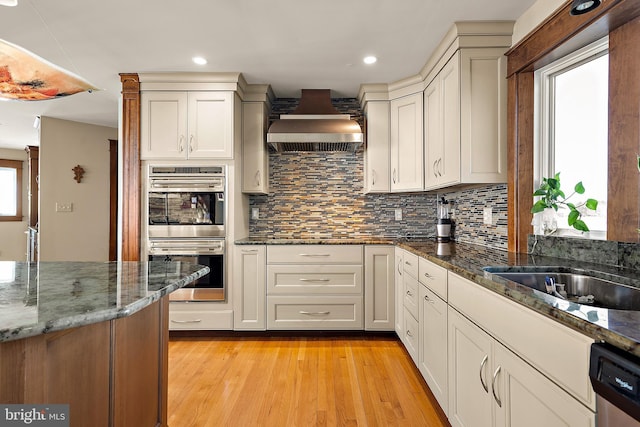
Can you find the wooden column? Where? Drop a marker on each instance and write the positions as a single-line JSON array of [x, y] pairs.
[[623, 213], [131, 188]]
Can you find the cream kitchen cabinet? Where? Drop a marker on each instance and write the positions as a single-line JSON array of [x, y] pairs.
[[410, 297], [491, 386], [187, 125], [315, 287], [249, 295], [376, 155], [399, 291], [432, 354], [379, 289], [406, 152], [255, 154], [465, 120]]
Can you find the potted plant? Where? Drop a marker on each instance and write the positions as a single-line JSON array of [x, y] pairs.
[[553, 197]]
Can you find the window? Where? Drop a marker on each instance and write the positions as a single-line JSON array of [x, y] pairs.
[[572, 130], [10, 190]]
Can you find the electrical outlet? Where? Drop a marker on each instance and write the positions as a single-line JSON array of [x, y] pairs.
[[487, 215], [255, 213], [398, 214], [64, 207]]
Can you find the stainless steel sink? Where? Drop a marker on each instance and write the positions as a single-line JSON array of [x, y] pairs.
[[578, 286]]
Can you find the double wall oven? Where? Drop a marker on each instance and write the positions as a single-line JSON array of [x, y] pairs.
[[186, 222]]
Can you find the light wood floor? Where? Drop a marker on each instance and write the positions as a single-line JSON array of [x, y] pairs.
[[296, 381]]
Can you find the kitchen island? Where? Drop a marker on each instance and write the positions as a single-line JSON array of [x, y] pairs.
[[91, 335]]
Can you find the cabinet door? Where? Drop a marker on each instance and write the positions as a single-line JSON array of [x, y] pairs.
[[399, 293], [407, 143], [210, 125], [255, 154], [376, 155], [433, 345], [524, 397], [163, 125], [432, 132], [379, 291], [469, 373], [449, 163], [249, 296]]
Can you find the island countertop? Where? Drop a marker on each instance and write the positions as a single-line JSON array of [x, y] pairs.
[[36, 298]]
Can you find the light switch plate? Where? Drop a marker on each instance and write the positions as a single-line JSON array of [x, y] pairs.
[[487, 215], [398, 214], [64, 207], [255, 213]]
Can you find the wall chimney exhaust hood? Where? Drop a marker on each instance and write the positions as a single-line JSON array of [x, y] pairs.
[[315, 125]]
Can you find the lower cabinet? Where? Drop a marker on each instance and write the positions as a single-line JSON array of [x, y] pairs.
[[399, 299], [199, 316], [249, 297], [379, 289], [491, 386]]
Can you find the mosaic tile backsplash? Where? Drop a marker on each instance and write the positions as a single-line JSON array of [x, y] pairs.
[[320, 195]]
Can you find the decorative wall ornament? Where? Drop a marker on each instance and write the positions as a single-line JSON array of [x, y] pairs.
[[79, 173], [26, 76]]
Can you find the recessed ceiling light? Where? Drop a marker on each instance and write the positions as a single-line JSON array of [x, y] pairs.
[[199, 60], [8, 2], [370, 60]]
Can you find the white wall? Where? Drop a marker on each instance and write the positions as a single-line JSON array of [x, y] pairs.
[[83, 234], [13, 240], [533, 17]]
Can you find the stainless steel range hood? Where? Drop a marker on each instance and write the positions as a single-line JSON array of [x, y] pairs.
[[315, 125]]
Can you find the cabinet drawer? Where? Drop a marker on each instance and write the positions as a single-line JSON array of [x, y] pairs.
[[410, 264], [323, 312], [314, 279], [410, 335], [189, 316], [411, 294], [562, 354], [433, 277], [314, 254]]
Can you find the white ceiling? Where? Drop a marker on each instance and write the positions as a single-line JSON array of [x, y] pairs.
[[290, 44]]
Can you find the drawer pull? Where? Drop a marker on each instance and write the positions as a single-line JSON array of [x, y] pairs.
[[409, 334], [315, 255], [428, 276], [187, 321], [410, 294], [429, 300], [408, 263], [249, 251], [315, 313], [484, 362], [314, 280], [493, 386]]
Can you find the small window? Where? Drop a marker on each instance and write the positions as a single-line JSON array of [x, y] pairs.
[[10, 190], [572, 125]]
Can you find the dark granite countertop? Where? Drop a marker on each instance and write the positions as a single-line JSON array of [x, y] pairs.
[[37, 298], [617, 327]]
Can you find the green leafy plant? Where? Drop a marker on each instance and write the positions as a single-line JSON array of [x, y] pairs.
[[553, 197]]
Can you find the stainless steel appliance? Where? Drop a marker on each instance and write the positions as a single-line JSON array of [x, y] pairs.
[[186, 201], [615, 376], [443, 223], [186, 218], [209, 252]]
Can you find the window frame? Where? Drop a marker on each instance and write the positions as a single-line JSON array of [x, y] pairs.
[[544, 93], [18, 166]]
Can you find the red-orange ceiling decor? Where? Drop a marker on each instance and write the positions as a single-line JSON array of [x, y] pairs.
[[26, 76]]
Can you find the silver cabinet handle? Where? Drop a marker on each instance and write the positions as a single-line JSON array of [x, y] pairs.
[[191, 144], [484, 362], [435, 173], [249, 251], [440, 166], [315, 255], [181, 143], [313, 280], [257, 178], [493, 386], [429, 300], [409, 334], [373, 177], [408, 263], [400, 269], [428, 276], [315, 313], [394, 175], [409, 293], [187, 321]]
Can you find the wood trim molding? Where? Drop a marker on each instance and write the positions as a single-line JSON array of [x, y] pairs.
[[558, 35], [130, 250], [113, 200]]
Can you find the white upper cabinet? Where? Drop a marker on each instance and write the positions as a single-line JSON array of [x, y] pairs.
[[255, 154], [406, 143], [187, 125], [465, 120], [376, 156]]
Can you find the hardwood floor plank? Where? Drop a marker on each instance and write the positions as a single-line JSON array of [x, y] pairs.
[[296, 381]]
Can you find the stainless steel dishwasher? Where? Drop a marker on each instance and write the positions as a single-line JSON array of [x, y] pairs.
[[615, 376]]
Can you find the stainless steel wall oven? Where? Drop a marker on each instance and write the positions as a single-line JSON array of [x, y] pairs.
[[186, 222]]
